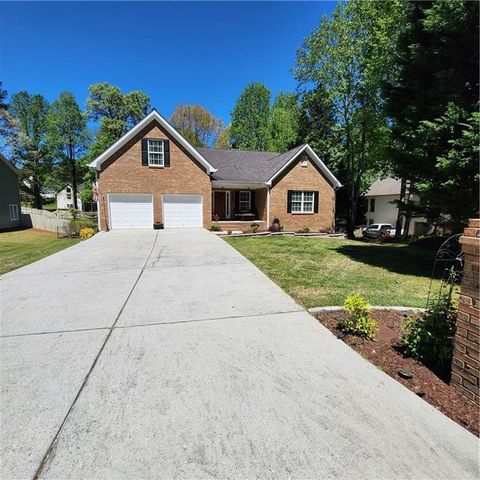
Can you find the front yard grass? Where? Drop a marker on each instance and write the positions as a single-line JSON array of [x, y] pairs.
[[22, 247], [321, 271]]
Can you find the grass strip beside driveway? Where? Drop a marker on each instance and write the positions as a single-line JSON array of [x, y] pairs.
[[321, 272], [22, 247]]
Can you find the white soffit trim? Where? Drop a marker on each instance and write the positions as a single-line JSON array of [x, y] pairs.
[[316, 158], [237, 185], [153, 115]]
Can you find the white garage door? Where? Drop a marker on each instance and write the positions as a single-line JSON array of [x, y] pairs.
[[130, 210], [182, 211]]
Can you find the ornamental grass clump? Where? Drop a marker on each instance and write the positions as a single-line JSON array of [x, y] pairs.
[[358, 320]]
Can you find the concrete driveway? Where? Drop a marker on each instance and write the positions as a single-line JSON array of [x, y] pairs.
[[162, 354]]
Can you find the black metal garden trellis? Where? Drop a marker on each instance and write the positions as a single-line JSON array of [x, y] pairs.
[[447, 266]]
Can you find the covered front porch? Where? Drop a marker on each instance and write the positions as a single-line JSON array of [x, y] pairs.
[[240, 204]]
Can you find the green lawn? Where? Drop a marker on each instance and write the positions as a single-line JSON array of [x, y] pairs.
[[26, 246], [320, 272]]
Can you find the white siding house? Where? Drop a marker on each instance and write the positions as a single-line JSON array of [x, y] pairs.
[[65, 199], [381, 207]]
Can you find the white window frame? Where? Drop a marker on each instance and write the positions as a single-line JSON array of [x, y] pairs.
[[244, 201], [162, 153], [13, 212], [302, 202], [68, 190]]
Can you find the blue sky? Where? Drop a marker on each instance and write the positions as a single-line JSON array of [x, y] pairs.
[[199, 52]]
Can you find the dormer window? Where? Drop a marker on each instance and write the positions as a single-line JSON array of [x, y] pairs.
[[156, 153]]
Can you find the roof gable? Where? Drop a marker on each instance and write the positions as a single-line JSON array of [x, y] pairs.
[[9, 164], [258, 167], [152, 116]]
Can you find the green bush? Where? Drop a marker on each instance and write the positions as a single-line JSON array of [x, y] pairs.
[[358, 321], [76, 224], [215, 228], [254, 226], [430, 338]]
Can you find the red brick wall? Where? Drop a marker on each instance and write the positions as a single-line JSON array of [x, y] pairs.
[[466, 354], [306, 178], [124, 173]]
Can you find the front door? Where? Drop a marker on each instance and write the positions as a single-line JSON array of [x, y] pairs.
[[219, 204]]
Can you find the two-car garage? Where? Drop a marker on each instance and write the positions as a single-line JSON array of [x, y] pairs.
[[135, 210]]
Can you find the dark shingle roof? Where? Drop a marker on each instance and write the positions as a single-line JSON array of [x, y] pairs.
[[245, 166]]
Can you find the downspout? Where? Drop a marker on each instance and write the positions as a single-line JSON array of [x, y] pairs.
[[98, 201], [268, 207], [334, 208]]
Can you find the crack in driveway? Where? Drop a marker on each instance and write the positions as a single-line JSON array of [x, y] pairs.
[[51, 449]]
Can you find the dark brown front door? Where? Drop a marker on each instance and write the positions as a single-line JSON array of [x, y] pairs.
[[219, 204]]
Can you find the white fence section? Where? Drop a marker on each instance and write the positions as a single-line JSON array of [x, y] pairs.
[[44, 220]]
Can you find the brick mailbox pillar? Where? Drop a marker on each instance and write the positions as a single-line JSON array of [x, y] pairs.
[[466, 353]]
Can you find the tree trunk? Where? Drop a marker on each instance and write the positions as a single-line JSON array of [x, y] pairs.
[[357, 172], [73, 172], [352, 208], [37, 194], [352, 214], [408, 215], [401, 213]]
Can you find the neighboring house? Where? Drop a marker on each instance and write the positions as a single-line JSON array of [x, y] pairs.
[[152, 175], [381, 206], [65, 198], [9, 195], [48, 193]]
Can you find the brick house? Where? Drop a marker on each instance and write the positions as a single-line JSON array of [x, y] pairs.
[[152, 175]]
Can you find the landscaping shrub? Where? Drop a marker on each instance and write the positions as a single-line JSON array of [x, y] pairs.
[[358, 321], [430, 337], [86, 233], [254, 227], [76, 224], [305, 229], [215, 228], [275, 226]]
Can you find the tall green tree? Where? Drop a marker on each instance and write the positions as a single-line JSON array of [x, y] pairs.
[[223, 140], [200, 127], [250, 115], [27, 138], [348, 57], [116, 112], [317, 122], [4, 116], [283, 123], [432, 103], [68, 139]]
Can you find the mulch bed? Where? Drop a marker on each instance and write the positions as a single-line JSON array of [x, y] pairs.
[[385, 354]]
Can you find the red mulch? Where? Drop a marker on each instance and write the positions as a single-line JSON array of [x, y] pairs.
[[384, 354]]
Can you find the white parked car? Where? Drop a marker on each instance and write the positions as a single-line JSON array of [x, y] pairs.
[[377, 229]]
